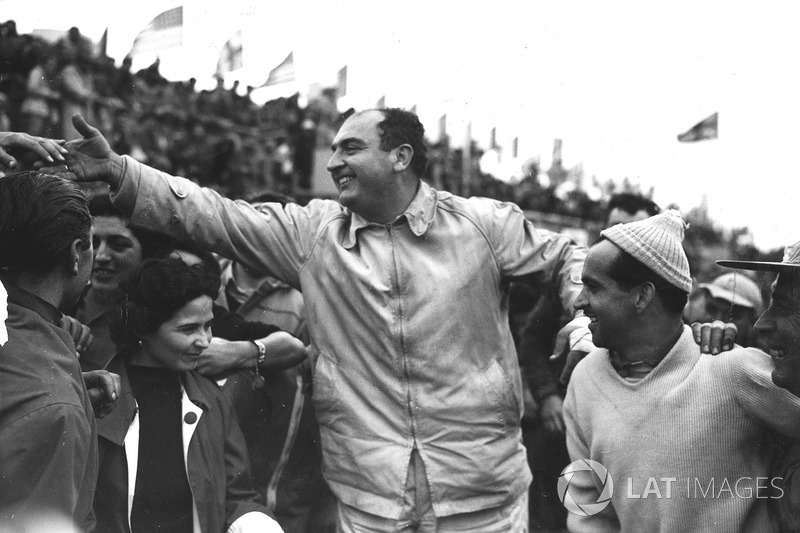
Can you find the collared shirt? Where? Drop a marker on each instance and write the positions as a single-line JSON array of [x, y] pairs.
[[410, 320]]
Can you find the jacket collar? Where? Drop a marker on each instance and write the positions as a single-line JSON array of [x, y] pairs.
[[419, 215], [114, 426], [19, 296]]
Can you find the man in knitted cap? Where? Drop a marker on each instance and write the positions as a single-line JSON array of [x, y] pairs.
[[682, 435]]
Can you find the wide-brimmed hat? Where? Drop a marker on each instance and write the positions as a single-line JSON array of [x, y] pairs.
[[790, 262]]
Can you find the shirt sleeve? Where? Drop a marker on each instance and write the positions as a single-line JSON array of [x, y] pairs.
[[774, 406], [272, 239], [536, 256], [581, 488]]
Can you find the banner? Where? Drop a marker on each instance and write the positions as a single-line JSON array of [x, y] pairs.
[[703, 130], [231, 56], [165, 31], [283, 73]]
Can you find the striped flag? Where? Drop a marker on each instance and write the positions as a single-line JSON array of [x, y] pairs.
[[231, 56], [283, 73], [705, 129], [165, 31]]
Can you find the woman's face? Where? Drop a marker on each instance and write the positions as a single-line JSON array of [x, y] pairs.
[[178, 342], [116, 251]]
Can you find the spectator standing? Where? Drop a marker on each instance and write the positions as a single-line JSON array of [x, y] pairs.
[[48, 436], [417, 386], [633, 404]]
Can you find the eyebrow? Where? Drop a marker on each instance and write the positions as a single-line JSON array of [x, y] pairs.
[[348, 140]]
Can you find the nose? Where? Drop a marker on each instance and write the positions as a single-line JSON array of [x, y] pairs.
[[101, 252], [203, 339], [334, 162], [581, 302]]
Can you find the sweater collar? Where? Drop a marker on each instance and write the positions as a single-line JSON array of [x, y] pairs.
[[419, 215]]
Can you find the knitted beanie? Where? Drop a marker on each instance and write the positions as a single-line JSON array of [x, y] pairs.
[[656, 243]]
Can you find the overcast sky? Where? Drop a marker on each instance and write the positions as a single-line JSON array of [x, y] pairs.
[[617, 81]]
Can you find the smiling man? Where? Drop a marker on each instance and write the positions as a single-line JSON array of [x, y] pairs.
[[416, 387], [779, 326], [683, 435]]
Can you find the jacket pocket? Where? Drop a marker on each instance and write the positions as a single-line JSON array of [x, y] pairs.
[[500, 390]]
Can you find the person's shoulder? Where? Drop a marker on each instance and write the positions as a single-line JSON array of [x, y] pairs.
[[483, 212]]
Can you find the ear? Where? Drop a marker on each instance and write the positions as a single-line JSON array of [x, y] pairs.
[[645, 296], [403, 156], [76, 251]]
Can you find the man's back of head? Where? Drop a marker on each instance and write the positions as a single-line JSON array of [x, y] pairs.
[[45, 227]]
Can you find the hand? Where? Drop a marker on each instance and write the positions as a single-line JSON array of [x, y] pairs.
[[552, 413], [715, 337], [90, 158], [102, 386], [80, 333], [224, 355], [284, 351], [16, 148], [573, 342]]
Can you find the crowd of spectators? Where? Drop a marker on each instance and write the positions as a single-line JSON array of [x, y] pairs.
[[219, 138]]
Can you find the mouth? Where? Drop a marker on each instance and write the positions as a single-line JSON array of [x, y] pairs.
[[343, 180], [103, 272], [778, 353]]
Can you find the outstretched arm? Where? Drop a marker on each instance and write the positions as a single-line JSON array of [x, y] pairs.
[[90, 158], [18, 150]]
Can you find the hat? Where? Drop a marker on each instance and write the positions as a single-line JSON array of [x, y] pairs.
[[656, 243], [791, 262], [738, 290]]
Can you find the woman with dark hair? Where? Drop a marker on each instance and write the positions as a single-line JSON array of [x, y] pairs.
[[172, 456], [118, 249]]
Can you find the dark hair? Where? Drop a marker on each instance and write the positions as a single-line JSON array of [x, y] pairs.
[[632, 204], [152, 294], [41, 215], [630, 272], [153, 243], [208, 263], [403, 127]]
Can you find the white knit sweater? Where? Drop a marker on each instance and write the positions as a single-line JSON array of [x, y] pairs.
[[686, 446]]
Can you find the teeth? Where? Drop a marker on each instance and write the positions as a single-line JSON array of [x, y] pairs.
[[778, 352], [345, 179]]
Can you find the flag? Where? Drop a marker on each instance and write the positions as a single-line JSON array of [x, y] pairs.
[[443, 127], [283, 73], [493, 138], [705, 129], [231, 56], [515, 147], [381, 102], [341, 88], [102, 45], [164, 31], [414, 109]]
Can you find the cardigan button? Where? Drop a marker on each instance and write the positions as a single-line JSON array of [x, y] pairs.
[[190, 418]]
